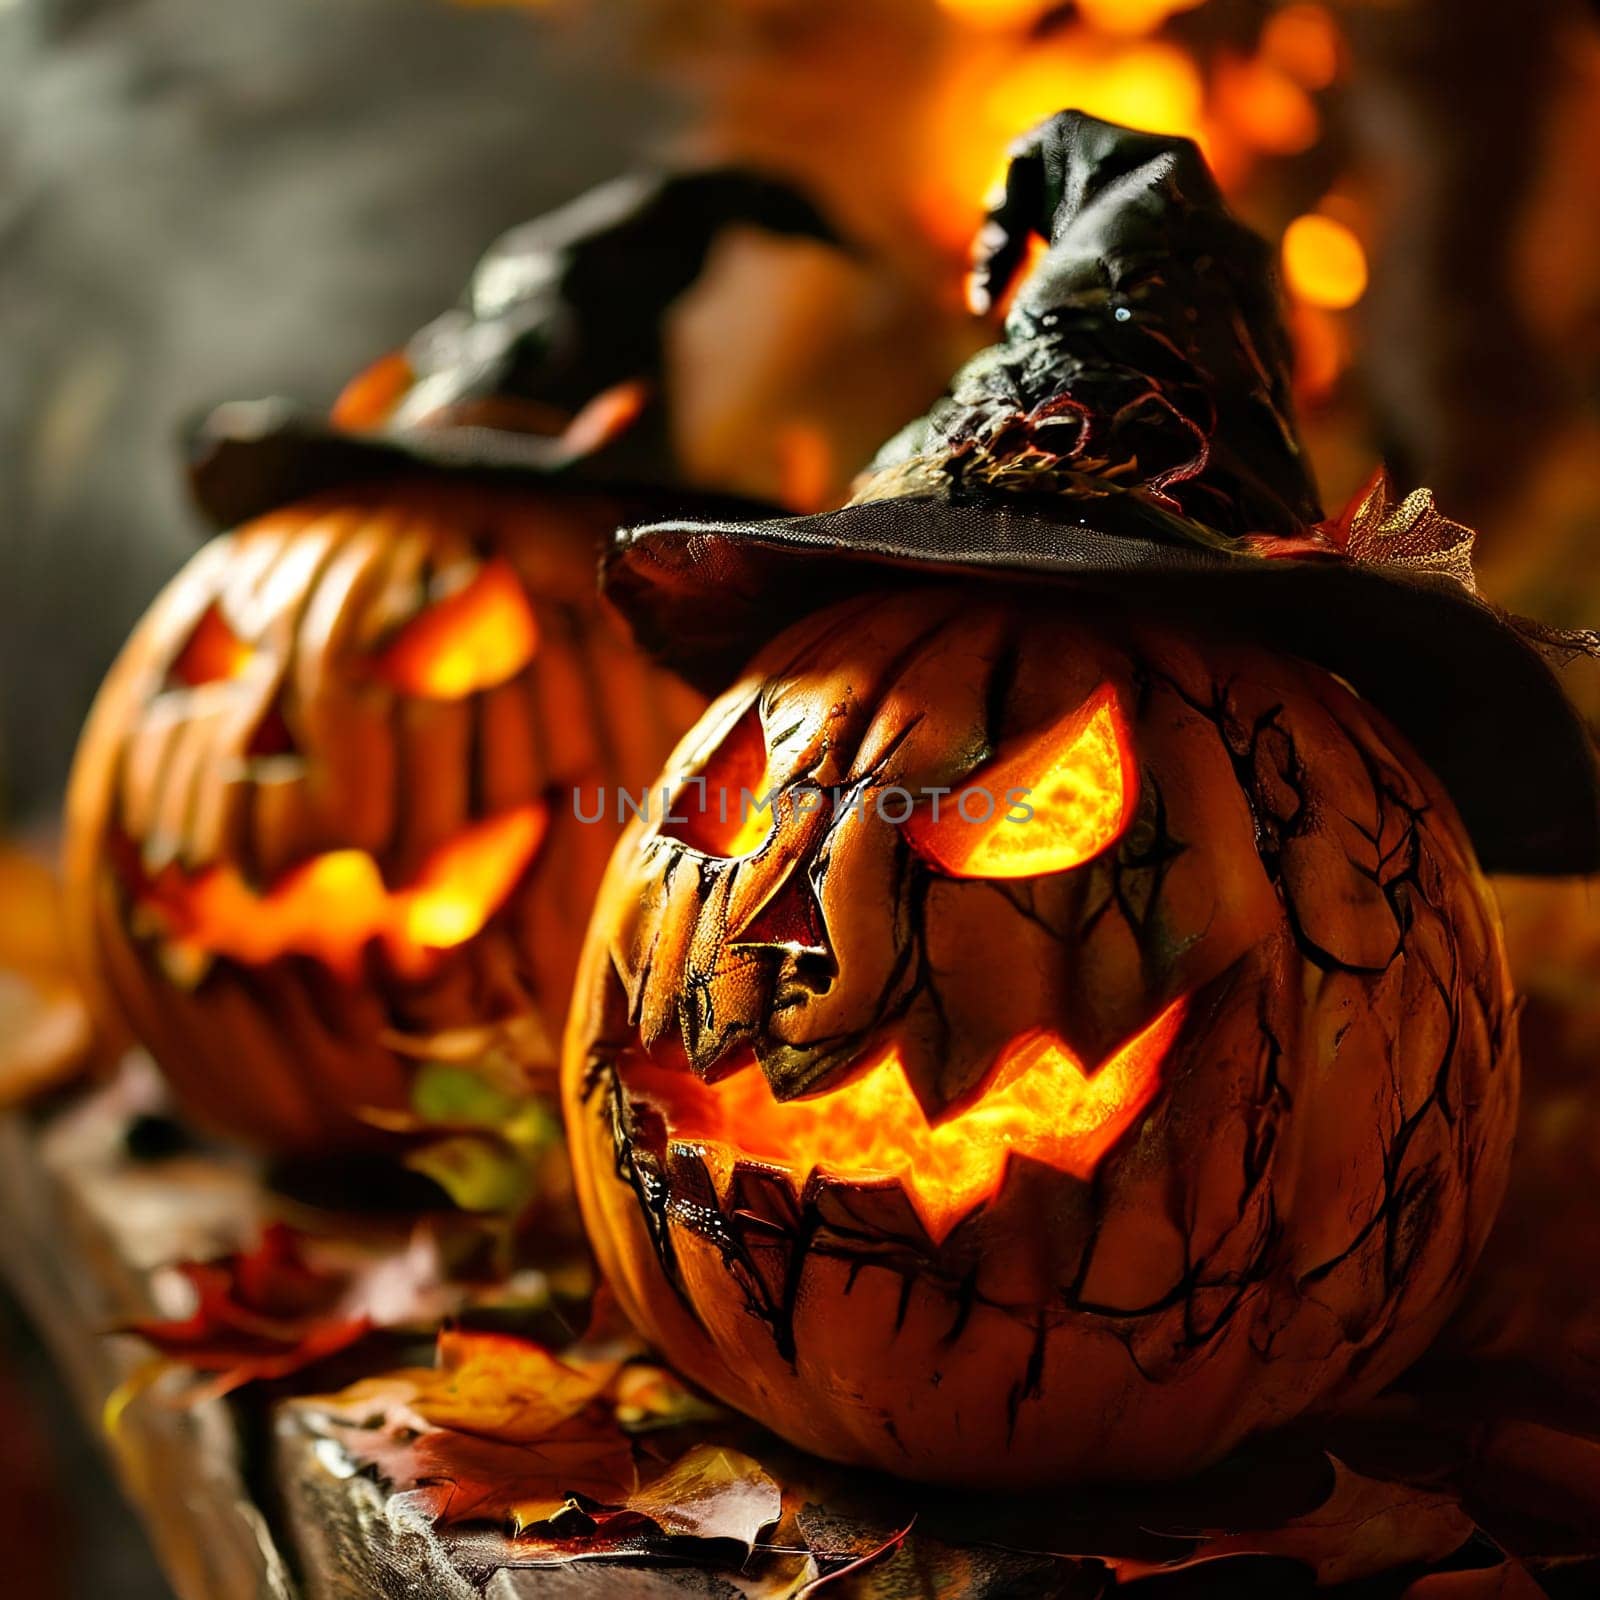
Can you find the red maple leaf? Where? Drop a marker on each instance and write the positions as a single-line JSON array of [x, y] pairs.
[[261, 1313]]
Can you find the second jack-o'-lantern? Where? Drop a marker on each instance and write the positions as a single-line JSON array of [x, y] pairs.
[[324, 806], [322, 822], [1100, 1048], [1159, 1088]]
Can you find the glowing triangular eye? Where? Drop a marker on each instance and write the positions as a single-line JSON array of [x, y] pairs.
[[482, 635], [717, 813], [213, 652], [1055, 801]]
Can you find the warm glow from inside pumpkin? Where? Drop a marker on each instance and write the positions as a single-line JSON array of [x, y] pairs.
[[334, 905], [717, 814], [1081, 782], [480, 636], [1040, 1103], [214, 652]]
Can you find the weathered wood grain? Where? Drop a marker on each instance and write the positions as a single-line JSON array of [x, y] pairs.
[[85, 1230]]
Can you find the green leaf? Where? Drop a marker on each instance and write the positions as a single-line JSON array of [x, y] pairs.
[[449, 1096], [482, 1175], [534, 1128]]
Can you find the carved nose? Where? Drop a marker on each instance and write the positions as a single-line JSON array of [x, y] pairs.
[[789, 923]]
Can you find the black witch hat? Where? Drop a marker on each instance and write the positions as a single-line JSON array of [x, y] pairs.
[[1132, 436], [549, 369]]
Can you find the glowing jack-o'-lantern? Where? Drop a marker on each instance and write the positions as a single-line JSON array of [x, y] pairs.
[[322, 820], [1159, 1090], [1101, 1048]]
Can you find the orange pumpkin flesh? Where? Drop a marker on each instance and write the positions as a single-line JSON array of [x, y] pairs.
[[1080, 1150], [321, 821]]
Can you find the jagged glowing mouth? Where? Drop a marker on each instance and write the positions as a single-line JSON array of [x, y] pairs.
[[334, 905], [1040, 1103]]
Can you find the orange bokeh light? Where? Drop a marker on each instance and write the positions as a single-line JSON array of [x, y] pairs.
[[1323, 262], [1145, 83], [1081, 782], [1040, 1104], [1265, 107], [995, 13], [334, 905], [480, 636], [1111, 62], [1303, 40], [1132, 16], [213, 652]]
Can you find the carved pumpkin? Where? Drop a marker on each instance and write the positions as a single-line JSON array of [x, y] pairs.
[[1104, 1051], [1085, 1143], [322, 822]]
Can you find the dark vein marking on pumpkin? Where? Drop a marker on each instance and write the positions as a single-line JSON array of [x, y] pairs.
[[879, 770], [903, 1305], [616, 1027], [783, 735], [922, 642], [1323, 958], [894, 1433], [1143, 870], [649, 1187], [966, 1297], [1216, 712], [1031, 1383], [806, 1230], [1272, 1103], [997, 693], [693, 1201], [1271, 827]]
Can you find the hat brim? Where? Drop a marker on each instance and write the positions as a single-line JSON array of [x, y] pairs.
[[1478, 701], [249, 457]]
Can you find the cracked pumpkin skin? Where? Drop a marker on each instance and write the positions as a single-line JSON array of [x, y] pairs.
[[1090, 1171], [320, 822]]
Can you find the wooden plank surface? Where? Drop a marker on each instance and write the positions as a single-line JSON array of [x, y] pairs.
[[85, 1230], [253, 1499]]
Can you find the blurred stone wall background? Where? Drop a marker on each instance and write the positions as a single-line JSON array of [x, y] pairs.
[[204, 199]]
